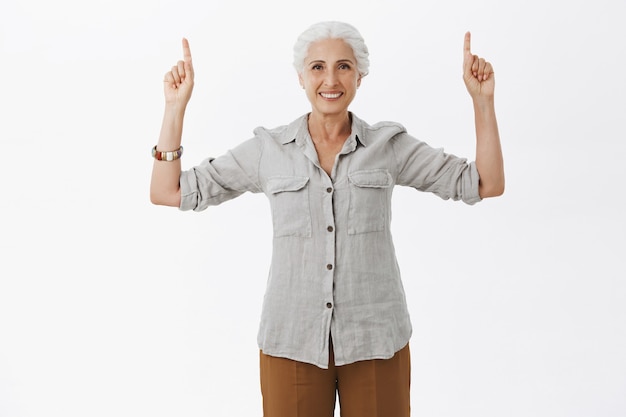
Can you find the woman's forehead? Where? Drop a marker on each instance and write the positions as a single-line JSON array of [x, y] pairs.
[[330, 49]]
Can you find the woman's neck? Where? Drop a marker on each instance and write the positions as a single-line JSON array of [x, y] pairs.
[[330, 128]]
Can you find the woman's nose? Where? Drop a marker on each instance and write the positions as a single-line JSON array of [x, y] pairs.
[[331, 78]]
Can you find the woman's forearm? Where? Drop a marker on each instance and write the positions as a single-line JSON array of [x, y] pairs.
[[489, 160], [164, 185]]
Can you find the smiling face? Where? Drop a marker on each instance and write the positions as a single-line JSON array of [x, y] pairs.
[[330, 76]]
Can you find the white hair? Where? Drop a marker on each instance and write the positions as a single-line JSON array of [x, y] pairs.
[[332, 30]]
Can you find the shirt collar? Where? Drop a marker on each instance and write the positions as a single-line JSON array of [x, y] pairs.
[[298, 130], [358, 130]]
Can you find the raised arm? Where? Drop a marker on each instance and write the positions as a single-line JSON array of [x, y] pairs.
[[178, 85], [480, 82]]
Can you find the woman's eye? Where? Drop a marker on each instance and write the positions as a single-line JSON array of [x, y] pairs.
[[344, 66], [316, 67]]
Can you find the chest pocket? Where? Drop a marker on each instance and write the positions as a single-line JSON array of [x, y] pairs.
[[369, 200], [289, 200]]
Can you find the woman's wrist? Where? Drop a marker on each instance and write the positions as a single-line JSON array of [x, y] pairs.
[[175, 110], [483, 104]]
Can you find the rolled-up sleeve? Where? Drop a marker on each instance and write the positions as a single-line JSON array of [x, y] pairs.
[[217, 180], [432, 170]]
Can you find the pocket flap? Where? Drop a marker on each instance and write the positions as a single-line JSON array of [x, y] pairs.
[[372, 178], [277, 185]]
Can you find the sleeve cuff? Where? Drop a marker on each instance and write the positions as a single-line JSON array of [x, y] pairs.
[[471, 195], [188, 191]]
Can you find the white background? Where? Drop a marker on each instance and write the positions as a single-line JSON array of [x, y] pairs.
[[110, 306]]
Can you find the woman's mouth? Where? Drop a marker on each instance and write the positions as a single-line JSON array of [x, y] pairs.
[[331, 96]]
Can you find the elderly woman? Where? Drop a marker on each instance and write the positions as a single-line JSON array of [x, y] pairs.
[[334, 317]]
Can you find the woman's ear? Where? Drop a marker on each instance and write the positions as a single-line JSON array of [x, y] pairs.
[[300, 80]]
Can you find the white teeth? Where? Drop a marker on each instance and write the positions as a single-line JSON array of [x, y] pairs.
[[326, 95]]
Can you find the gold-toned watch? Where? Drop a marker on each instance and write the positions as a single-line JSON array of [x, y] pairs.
[[167, 156]]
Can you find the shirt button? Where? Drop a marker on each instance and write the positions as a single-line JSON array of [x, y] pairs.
[[329, 305], [329, 190], [329, 266], [330, 228]]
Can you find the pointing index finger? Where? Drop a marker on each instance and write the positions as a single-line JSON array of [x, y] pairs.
[[186, 50], [466, 43]]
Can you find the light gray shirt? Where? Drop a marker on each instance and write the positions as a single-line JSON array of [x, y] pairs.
[[333, 269]]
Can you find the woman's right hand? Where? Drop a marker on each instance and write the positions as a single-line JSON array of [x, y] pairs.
[[178, 83]]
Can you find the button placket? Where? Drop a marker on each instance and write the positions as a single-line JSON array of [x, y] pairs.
[[330, 245]]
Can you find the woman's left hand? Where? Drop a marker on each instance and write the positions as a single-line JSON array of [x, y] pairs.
[[477, 73]]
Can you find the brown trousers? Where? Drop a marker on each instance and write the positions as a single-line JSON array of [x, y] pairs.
[[373, 388]]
